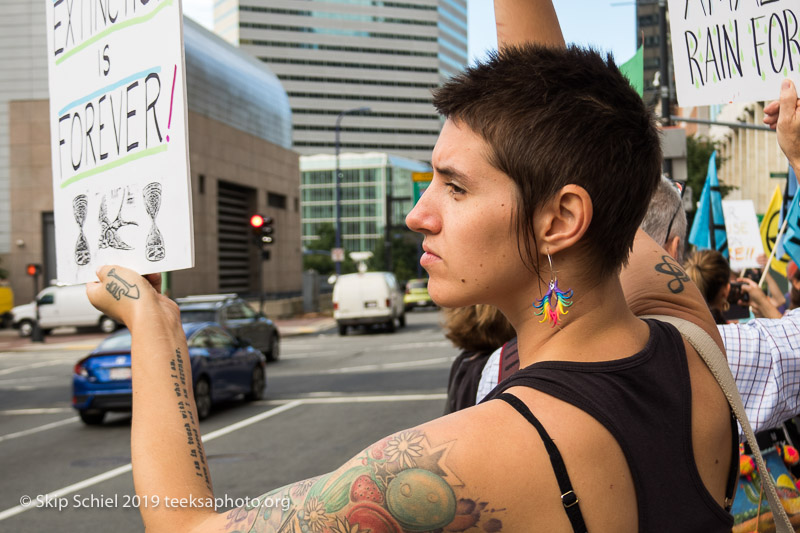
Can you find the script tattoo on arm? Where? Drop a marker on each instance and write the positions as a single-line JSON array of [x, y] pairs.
[[178, 374], [118, 287], [671, 268], [400, 484]]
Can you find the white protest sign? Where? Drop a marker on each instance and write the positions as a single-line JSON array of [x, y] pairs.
[[118, 128], [744, 237], [733, 50]]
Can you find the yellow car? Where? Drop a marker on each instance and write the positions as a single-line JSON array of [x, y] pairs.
[[417, 295]]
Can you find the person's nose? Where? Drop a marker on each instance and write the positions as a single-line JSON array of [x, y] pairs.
[[424, 218]]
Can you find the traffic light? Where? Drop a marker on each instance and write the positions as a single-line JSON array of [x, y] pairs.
[[267, 232], [263, 233], [33, 269]]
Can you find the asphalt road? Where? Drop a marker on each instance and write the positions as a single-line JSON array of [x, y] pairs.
[[327, 398]]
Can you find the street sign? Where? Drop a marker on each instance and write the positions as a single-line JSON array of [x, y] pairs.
[[337, 254], [118, 130], [779, 175], [421, 176]]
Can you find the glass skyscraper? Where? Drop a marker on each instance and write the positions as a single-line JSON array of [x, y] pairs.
[[335, 55]]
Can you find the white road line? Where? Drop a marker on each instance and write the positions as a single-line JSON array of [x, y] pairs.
[[27, 367], [37, 429], [13, 381], [388, 366], [13, 511], [41, 411], [18, 509]]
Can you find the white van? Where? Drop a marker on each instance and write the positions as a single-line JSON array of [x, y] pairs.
[[367, 298], [59, 307]]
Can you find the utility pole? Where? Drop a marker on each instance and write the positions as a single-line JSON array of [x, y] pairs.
[[665, 79]]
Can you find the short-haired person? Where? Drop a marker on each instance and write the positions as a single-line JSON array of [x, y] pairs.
[[665, 220], [542, 174], [763, 354]]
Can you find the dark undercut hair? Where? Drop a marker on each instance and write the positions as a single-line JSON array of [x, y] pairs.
[[554, 117]]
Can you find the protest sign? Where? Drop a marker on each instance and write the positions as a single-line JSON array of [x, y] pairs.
[[744, 237], [732, 50], [118, 129]]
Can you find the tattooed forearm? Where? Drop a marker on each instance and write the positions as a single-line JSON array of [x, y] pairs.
[[178, 374], [118, 287], [671, 268]]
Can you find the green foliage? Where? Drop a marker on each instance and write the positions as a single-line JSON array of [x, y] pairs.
[[322, 263], [3, 272], [405, 256]]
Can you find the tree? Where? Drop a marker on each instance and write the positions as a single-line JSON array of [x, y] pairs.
[[405, 256], [321, 261]]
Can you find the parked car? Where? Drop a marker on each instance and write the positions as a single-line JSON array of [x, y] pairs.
[[236, 316], [222, 367], [6, 305], [368, 298], [417, 295], [60, 306]]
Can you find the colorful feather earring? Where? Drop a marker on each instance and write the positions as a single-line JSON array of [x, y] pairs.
[[554, 302]]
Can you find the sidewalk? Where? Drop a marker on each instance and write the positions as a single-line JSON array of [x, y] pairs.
[[10, 341], [290, 327]]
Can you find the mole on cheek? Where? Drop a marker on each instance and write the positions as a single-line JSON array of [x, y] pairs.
[[463, 281]]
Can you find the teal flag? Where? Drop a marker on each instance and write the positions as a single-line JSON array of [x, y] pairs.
[[708, 228]]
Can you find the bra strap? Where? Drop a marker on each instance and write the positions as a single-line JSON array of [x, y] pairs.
[[568, 498]]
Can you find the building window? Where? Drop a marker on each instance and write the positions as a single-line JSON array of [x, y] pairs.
[[648, 20], [651, 63], [278, 201]]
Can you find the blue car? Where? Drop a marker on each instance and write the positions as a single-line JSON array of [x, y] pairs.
[[223, 367]]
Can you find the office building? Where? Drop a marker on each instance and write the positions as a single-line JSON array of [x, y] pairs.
[[366, 181], [336, 55], [240, 154]]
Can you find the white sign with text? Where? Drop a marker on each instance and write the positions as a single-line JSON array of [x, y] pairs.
[[733, 50], [744, 237], [118, 122]]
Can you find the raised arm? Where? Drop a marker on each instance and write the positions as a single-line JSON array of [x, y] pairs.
[[784, 116], [167, 454], [525, 21], [655, 284]]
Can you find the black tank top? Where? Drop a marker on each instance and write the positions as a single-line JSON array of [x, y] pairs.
[[645, 402]]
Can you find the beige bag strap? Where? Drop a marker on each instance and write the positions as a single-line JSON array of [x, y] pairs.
[[718, 364]]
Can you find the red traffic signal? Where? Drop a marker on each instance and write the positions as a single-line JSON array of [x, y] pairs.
[[33, 269], [256, 221]]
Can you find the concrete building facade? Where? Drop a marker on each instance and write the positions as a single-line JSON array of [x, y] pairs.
[[335, 55], [366, 181], [241, 163]]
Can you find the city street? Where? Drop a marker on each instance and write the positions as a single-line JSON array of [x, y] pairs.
[[327, 398]]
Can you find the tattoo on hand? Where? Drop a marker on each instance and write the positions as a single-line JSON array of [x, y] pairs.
[[120, 287], [671, 268]]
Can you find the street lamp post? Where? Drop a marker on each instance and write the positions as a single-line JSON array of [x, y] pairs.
[[339, 179]]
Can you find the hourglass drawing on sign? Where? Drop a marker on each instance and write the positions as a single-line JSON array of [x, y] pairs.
[[79, 208], [154, 246]]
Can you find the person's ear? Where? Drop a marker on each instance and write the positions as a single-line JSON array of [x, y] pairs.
[[563, 220], [671, 246]]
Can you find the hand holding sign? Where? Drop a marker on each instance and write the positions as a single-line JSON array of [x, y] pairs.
[[126, 297], [784, 116]]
